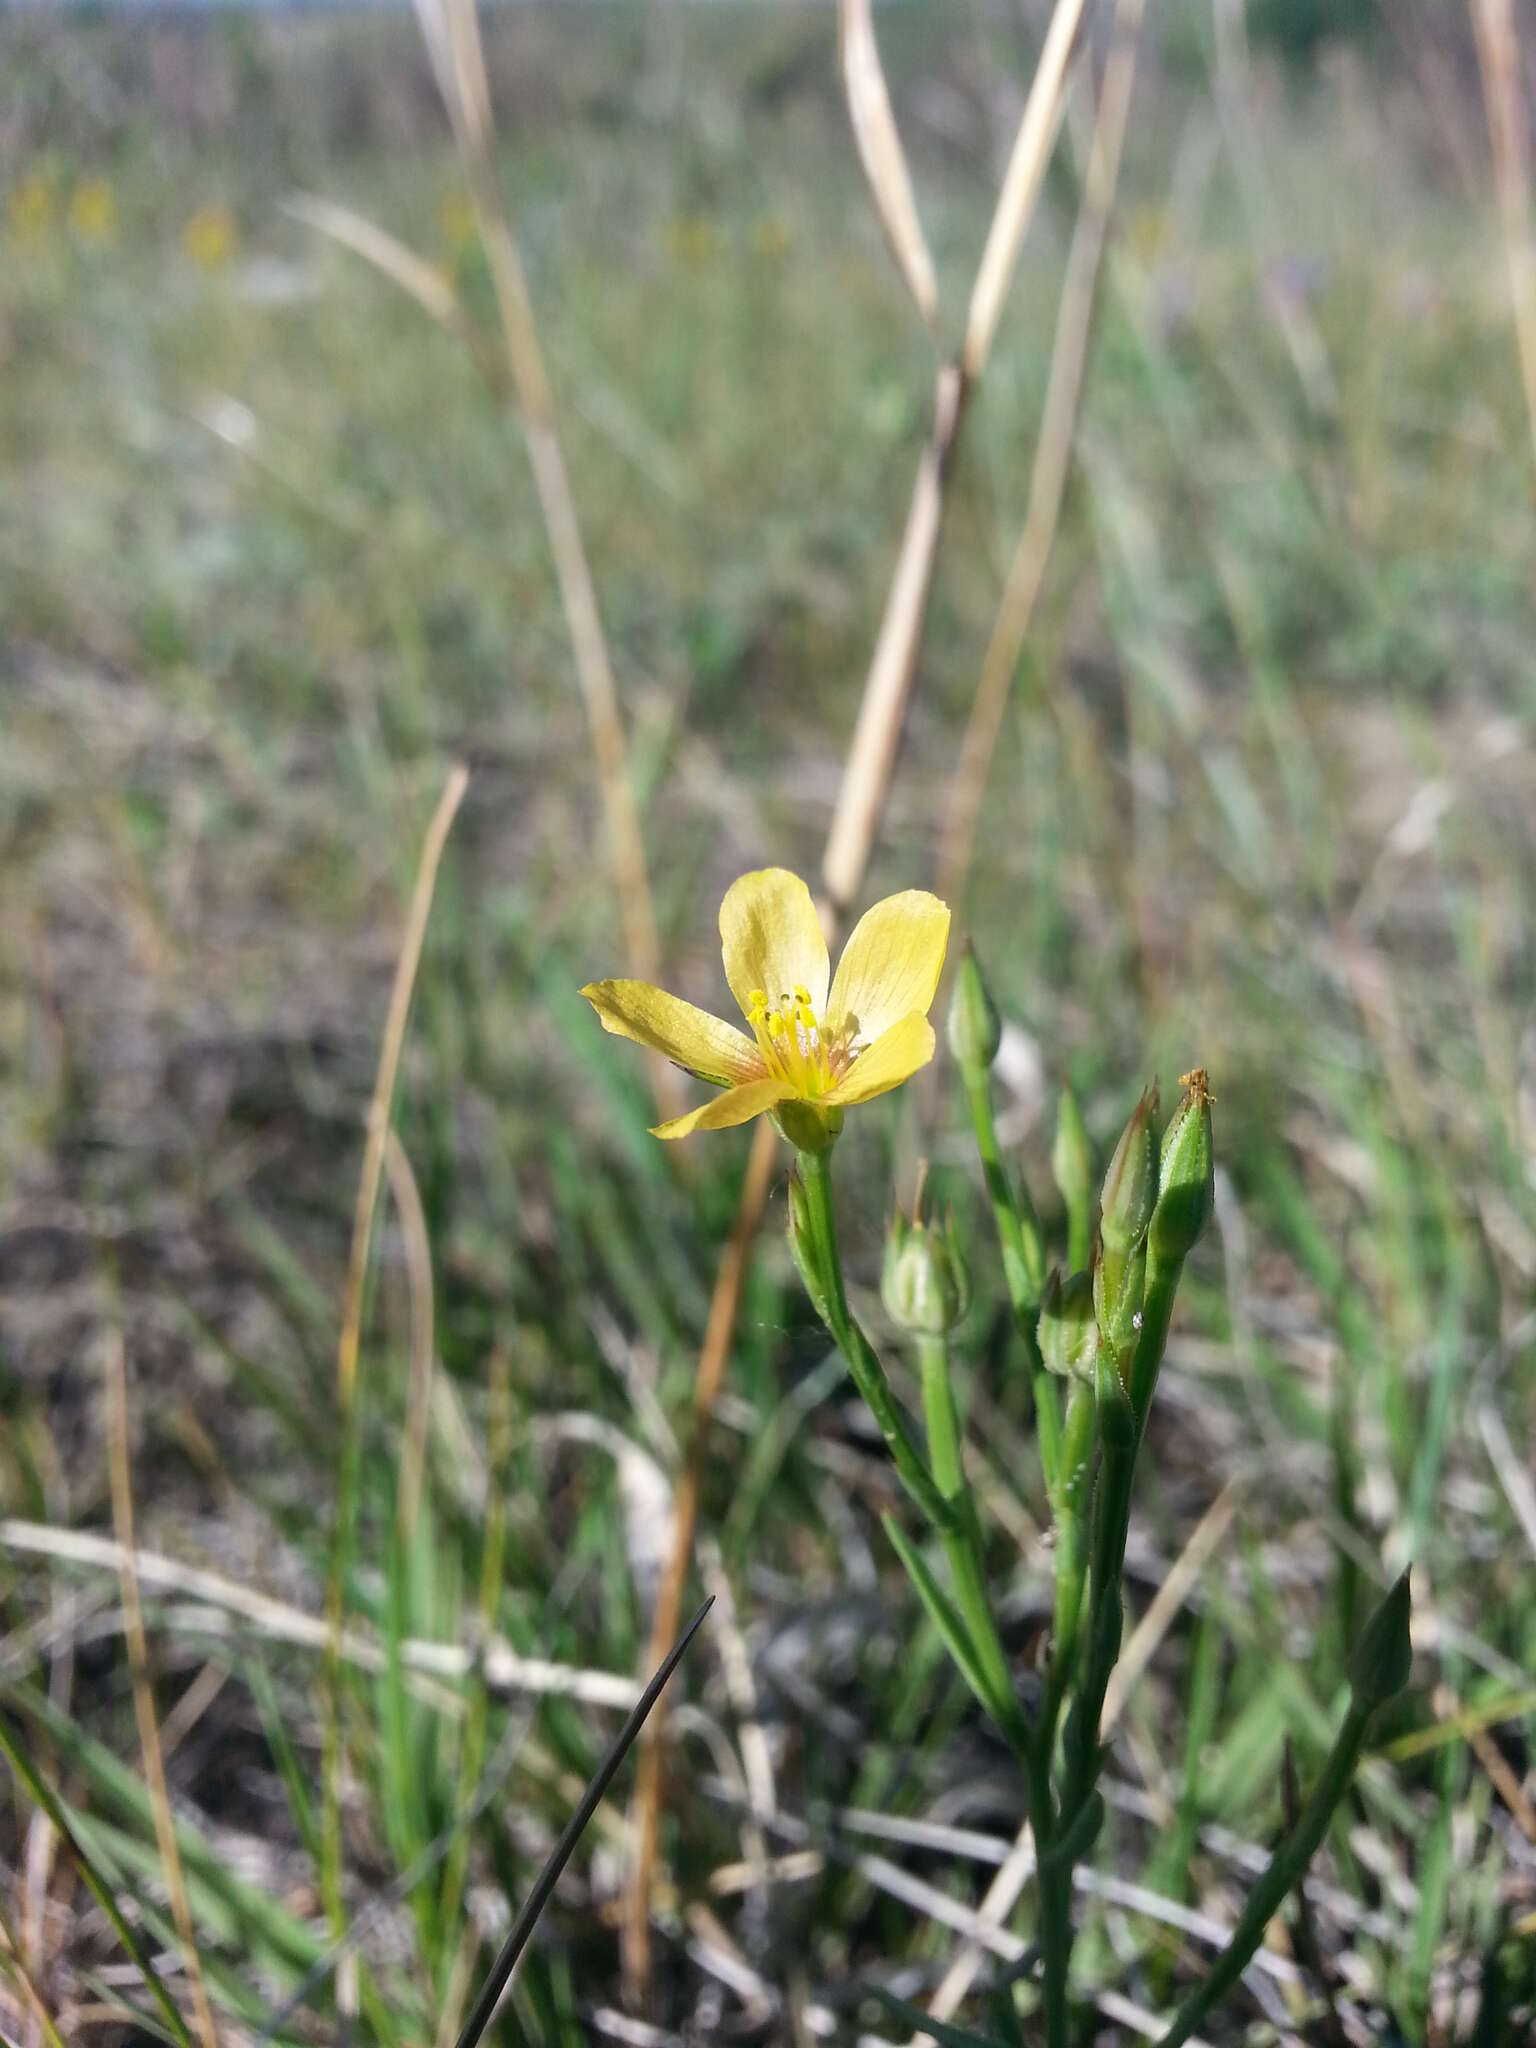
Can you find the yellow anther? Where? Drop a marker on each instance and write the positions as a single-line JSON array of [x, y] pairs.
[[757, 1000], [802, 996]]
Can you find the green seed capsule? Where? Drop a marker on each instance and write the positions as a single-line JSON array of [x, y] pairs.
[[925, 1283], [975, 1029], [1069, 1327], [1130, 1184], [1188, 1177]]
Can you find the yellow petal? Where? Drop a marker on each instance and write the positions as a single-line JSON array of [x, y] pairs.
[[891, 964], [771, 938], [705, 1045], [735, 1106], [894, 1057]]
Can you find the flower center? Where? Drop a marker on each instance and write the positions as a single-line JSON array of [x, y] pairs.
[[794, 1045]]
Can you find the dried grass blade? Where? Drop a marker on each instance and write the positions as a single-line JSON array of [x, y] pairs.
[[1499, 57], [417, 278], [143, 1698], [1021, 184], [1053, 456], [880, 152]]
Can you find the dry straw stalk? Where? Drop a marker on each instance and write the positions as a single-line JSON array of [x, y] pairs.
[[871, 758]]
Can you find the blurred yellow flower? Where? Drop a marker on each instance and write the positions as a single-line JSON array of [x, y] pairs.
[[771, 237], [210, 237], [93, 210], [31, 207], [825, 1048], [456, 221], [692, 241]]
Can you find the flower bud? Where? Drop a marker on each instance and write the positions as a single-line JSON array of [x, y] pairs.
[[924, 1282], [1383, 1657], [1072, 1156], [1069, 1328], [1118, 1289], [975, 1029], [1130, 1184], [1188, 1191]]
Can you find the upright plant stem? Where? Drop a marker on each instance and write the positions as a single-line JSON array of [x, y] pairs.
[[1018, 1235], [962, 1542], [859, 1354]]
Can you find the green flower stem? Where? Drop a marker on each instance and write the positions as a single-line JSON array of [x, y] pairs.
[[1286, 1868], [1099, 1642], [1054, 1878], [858, 1353], [1023, 1255], [1072, 1504], [962, 1543], [939, 1414], [1156, 1314], [1101, 1638], [1018, 1235]]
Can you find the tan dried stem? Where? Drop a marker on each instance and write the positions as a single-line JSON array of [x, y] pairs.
[[872, 755], [350, 1338], [1498, 53], [866, 781], [1053, 457], [143, 1695], [880, 152], [13, 1964], [396, 1019], [451, 31]]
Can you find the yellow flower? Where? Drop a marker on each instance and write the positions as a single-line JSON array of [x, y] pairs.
[[93, 211], [810, 1045], [692, 241], [210, 236], [31, 207]]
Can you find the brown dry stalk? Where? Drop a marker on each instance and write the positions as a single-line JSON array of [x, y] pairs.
[[880, 152], [1498, 53], [388, 1073], [451, 30], [719, 1330], [1447, 1705], [866, 780], [13, 1963], [1053, 456], [143, 1695], [348, 1343]]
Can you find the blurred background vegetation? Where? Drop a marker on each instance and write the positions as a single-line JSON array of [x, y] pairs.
[[1265, 798]]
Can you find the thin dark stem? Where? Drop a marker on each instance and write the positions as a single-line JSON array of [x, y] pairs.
[[490, 1994]]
